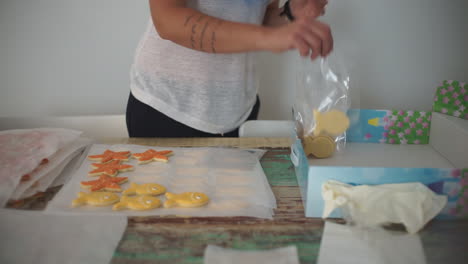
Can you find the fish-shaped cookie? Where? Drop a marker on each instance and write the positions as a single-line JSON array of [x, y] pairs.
[[142, 202], [319, 146], [145, 189], [186, 199], [334, 122], [95, 199]]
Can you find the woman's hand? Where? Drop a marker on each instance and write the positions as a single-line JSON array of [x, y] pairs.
[[302, 9], [304, 34], [192, 29]]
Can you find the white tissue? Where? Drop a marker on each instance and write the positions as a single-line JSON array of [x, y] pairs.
[[368, 246], [218, 255], [35, 237], [411, 204]]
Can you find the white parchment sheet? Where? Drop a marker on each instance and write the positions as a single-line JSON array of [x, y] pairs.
[[232, 178]]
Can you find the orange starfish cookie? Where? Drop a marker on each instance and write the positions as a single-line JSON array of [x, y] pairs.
[[109, 155], [110, 168], [106, 183], [152, 155]]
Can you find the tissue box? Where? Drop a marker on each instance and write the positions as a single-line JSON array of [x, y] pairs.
[[452, 99], [428, 157]]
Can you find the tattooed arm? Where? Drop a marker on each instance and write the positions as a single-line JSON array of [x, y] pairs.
[[195, 30], [272, 15], [299, 8], [187, 27]]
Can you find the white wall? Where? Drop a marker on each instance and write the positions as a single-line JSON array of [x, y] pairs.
[[65, 57], [60, 57], [396, 51]]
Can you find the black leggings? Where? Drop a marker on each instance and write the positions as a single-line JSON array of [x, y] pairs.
[[145, 121]]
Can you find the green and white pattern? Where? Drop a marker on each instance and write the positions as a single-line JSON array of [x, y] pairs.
[[462, 202], [407, 127], [452, 99]]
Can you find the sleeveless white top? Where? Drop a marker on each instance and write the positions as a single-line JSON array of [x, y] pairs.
[[214, 93]]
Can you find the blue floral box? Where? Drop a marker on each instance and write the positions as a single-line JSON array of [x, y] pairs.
[[405, 156]]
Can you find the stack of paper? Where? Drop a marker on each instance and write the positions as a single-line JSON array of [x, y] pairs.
[[232, 178], [32, 160]]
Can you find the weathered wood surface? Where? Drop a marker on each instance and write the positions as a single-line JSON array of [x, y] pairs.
[[204, 142], [183, 240]]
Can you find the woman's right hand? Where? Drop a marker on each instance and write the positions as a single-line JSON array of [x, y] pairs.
[[305, 35]]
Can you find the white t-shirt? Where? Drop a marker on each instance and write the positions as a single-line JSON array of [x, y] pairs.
[[214, 93]]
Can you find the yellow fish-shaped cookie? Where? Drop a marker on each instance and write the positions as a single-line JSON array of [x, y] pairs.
[[145, 189], [143, 202], [333, 122], [319, 146], [186, 199], [95, 199]]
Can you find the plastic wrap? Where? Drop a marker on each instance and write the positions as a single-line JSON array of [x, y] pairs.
[[321, 105]]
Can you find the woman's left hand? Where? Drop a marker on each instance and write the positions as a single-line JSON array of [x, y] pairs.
[[308, 8]]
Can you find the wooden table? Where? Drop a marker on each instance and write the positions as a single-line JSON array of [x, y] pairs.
[[183, 240]]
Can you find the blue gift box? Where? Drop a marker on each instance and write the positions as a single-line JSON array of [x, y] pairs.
[[371, 160]]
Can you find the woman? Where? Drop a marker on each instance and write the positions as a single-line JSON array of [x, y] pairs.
[[193, 73]]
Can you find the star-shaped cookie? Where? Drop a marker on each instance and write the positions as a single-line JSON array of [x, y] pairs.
[[152, 155], [106, 183], [109, 155], [110, 168]]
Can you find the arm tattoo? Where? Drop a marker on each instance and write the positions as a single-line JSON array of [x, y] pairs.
[[213, 36], [202, 37], [192, 36], [194, 29], [200, 18], [213, 40], [201, 34], [188, 19]]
